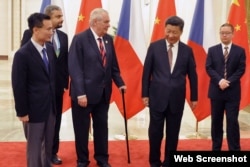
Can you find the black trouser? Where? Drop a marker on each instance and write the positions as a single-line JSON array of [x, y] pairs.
[[56, 140], [81, 123], [231, 109]]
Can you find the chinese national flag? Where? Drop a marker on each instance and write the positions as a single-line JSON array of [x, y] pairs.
[[166, 8], [83, 18], [82, 24], [238, 18]]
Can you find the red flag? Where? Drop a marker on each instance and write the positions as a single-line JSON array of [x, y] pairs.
[[238, 18], [130, 45], [83, 23], [166, 8]]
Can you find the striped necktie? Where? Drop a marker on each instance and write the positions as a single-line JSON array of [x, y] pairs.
[[225, 61], [102, 51]]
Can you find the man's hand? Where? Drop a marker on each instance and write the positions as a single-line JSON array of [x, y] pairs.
[[123, 88], [145, 101], [83, 101], [193, 104], [24, 119], [224, 84]]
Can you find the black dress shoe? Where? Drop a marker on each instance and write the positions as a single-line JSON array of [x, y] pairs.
[[104, 165], [80, 164], [56, 160]]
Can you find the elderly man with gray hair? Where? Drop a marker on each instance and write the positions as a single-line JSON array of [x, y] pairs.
[[92, 68]]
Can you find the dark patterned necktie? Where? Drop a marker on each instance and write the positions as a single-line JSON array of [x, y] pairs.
[[170, 55], [102, 51], [225, 61]]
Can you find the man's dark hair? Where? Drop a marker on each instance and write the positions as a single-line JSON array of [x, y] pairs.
[[175, 21], [228, 25], [36, 20]]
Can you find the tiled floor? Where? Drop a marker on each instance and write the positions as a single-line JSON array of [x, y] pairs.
[[11, 127]]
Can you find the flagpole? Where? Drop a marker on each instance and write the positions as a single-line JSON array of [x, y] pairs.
[[196, 134], [125, 122]]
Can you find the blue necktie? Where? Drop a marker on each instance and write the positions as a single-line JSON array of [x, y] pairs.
[[45, 60]]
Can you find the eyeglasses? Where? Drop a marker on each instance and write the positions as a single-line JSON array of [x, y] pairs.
[[225, 33]]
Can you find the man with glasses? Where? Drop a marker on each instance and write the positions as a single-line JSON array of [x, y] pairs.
[[225, 65]]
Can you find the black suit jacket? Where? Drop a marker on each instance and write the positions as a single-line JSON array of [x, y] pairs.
[[33, 87], [62, 75], [88, 76], [163, 87], [236, 65]]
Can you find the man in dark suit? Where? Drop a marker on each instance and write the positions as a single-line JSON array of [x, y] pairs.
[[92, 67], [33, 82], [168, 62], [60, 44], [225, 65]]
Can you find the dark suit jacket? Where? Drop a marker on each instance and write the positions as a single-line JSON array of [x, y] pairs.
[[160, 85], [88, 76], [236, 65], [62, 76], [33, 86]]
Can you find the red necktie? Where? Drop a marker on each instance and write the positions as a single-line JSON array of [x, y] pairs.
[[102, 51]]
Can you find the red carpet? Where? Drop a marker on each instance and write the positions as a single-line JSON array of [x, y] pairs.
[[12, 154]]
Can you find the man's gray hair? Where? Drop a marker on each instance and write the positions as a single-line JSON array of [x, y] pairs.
[[96, 14], [50, 8]]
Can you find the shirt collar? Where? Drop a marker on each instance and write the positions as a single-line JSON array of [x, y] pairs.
[[37, 45]]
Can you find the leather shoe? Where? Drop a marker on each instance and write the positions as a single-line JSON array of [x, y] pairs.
[[104, 165], [56, 160], [80, 164]]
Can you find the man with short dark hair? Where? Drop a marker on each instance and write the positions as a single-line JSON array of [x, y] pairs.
[[33, 83], [225, 65], [168, 62], [60, 43]]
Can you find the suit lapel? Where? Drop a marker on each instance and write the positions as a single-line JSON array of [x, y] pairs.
[[163, 52], [231, 53], [179, 57], [37, 57], [107, 47], [93, 43], [220, 51]]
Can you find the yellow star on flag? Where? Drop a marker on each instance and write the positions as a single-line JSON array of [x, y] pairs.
[[157, 20], [236, 2], [80, 17], [237, 27]]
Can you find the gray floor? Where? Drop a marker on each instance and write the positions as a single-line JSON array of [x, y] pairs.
[[11, 127]]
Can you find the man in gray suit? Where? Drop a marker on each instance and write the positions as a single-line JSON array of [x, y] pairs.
[[168, 62], [33, 82], [92, 67]]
